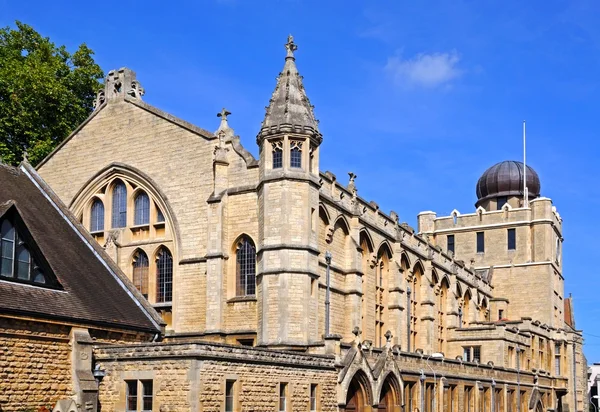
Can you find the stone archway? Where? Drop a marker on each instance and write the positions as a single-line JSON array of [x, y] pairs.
[[356, 399], [390, 396]]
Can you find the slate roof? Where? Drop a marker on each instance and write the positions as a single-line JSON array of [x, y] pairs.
[[289, 109], [93, 290]]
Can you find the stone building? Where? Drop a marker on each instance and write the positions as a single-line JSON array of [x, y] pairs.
[[465, 314]]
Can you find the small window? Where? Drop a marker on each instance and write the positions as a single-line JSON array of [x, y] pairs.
[[119, 206], [476, 353], [450, 243], [164, 275], [501, 201], [296, 155], [480, 243], [277, 154], [512, 239], [472, 353], [132, 395], [229, 395], [147, 396], [159, 216], [283, 397], [313, 397], [97, 216], [557, 355], [141, 214], [500, 314]]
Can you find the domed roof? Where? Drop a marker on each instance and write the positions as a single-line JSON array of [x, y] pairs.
[[506, 179]]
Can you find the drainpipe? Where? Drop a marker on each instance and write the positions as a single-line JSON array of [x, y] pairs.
[[422, 379], [574, 376], [518, 379], [328, 261], [408, 291], [493, 397]]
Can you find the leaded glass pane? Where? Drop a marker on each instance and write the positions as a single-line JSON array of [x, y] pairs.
[[23, 259], [38, 276], [7, 246], [159, 216], [97, 216], [140, 272], [142, 209], [246, 268], [296, 157], [277, 159], [119, 206], [164, 270]]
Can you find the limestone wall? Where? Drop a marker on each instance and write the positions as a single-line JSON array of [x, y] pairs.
[[35, 364]]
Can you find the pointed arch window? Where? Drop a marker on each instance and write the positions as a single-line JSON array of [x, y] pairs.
[[140, 272], [164, 276], [277, 154], [141, 215], [245, 267], [16, 260], [97, 216], [296, 154], [119, 205]]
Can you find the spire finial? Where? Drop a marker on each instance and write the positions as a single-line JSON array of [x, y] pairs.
[[291, 47], [223, 114]]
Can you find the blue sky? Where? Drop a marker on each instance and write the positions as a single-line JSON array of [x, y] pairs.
[[416, 98]]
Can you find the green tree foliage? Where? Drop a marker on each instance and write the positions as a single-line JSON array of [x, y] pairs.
[[45, 92]]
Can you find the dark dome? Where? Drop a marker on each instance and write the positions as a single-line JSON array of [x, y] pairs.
[[506, 179]]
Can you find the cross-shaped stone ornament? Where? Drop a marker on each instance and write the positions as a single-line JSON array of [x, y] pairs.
[[223, 114], [290, 46]]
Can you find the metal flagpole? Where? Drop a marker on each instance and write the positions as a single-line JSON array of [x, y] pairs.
[[525, 191]]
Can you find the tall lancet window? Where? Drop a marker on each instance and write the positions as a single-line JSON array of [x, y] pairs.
[[119, 205], [245, 267], [295, 154], [277, 154], [140, 272], [97, 216], [142, 209], [164, 276]]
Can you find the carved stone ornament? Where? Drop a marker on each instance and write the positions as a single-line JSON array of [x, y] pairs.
[[329, 234]]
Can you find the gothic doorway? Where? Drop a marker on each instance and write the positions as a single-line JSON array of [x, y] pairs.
[[356, 398], [388, 400]]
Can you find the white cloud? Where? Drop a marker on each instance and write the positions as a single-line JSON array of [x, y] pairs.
[[424, 70]]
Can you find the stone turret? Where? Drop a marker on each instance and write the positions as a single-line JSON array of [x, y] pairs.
[[287, 270]]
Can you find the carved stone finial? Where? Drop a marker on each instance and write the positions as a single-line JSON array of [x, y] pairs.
[[119, 84], [356, 331], [291, 47], [351, 184], [388, 336], [224, 132]]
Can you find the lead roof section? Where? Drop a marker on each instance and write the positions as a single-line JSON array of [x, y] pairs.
[[93, 291], [289, 109]]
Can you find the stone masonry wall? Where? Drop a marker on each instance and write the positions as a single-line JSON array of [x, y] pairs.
[[35, 364], [192, 376]]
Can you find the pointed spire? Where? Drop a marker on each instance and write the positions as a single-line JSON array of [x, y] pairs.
[[289, 109]]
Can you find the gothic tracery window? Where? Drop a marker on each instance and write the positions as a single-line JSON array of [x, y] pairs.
[[119, 205], [141, 215], [164, 276], [97, 216], [245, 268], [277, 154], [295, 154], [140, 272], [16, 260]]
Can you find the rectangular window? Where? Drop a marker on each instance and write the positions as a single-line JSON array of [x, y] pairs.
[[510, 401], [450, 243], [476, 353], [501, 201], [229, 395], [409, 396], [512, 239], [500, 314], [480, 243], [296, 157], [498, 401], [313, 397], [282, 397], [277, 159], [146, 395], [467, 354], [132, 395], [472, 353]]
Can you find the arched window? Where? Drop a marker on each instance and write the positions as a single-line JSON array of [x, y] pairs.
[[97, 216], [245, 267], [140, 272], [141, 214], [119, 205], [164, 276], [15, 258], [277, 154], [296, 154]]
